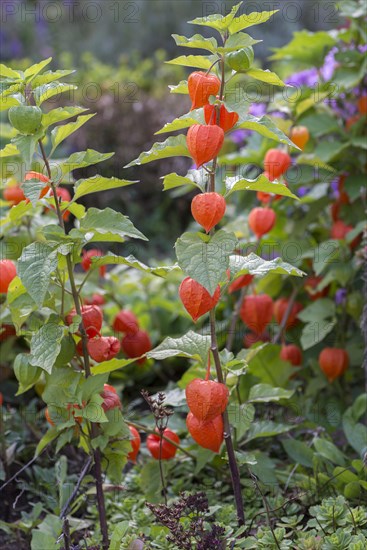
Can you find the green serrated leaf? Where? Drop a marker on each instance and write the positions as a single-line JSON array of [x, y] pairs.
[[60, 114], [315, 332], [174, 146], [131, 261], [266, 76], [26, 145], [49, 436], [45, 346], [253, 264], [261, 183], [207, 260], [60, 133], [184, 121], [35, 266], [173, 180], [236, 42], [197, 61], [50, 76], [32, 190], [217, 21], [82, 159], [32, 71], [197, 41], [191, 345], [46, 91], [255, 18], [181, 88], [322, 308], [108, 225], [312, 160], [111, 366], [98, 183], [7, 72], [265, 127], [7, 131], [12, 101], [264, 393], [10, 150]]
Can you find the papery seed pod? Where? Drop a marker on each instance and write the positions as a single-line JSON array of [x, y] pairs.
[[104, 348], [208, 434], [333, 362], [226, 119], [135, 344], [291, 353], [92, 320], [8, 272], [14, 194], [208, 209], [206, 399], [125, 321], [135, 444], [257, 312], [240, 282], [204, 143], [280, 308], [276, 163], [300, 136], [86, 262], [201, 86], [261, 220], [110, 398], [196, 299], [166, 451]]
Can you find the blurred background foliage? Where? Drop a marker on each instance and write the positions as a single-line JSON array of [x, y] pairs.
[[124, 80], [108, 28]]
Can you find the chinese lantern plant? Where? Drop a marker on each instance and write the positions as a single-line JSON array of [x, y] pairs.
[[57, 322], [207, 257]]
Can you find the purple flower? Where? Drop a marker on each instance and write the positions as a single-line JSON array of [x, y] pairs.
[[239, 136], [334, 186], [341, 296], [302, 191], [309, 77], [329, 66], [278, 114], [257, 109]]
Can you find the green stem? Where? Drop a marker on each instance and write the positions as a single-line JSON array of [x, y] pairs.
[[235, 474], [87, 371], [233, 466]]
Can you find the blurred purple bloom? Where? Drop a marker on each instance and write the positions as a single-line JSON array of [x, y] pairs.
[[363, 48], [329, 66], [278, 114], [302, 191], [334, 186], [257, 109], [268, 256], [239, 136], [309, 77], [345, 110], [341, 296]]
